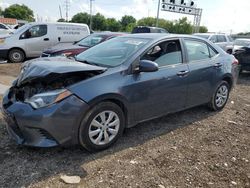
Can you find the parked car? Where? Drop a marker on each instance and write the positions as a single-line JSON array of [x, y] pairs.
[[146, 29], [31, 39], [5, 30], [242, 53], [71, 50], [223, 40], [115, 85]]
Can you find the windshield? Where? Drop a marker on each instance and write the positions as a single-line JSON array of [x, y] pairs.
[[240, 42], [112, 52], [21, 29], [203, 36], [91, 40]]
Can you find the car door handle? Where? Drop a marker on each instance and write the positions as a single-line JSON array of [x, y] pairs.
[[218, 65], [183, 73], [46, 39]]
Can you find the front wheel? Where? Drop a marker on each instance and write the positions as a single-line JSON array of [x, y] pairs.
[[220, 97], [102, 126], [16, 56]]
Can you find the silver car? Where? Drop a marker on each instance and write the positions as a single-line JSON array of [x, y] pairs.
[[223, 40]]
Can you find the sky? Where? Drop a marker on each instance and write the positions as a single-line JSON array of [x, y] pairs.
[[219, 16]]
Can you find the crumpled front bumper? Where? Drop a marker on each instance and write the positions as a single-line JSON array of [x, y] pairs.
[[51, 126]]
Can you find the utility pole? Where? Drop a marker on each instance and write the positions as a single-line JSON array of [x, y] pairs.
[[60, 11], [91, 12], [158, 13], [67, 4]]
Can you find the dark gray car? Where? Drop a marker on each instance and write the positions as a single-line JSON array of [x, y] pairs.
[[115, 85]]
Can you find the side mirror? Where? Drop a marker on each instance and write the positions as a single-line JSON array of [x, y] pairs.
[[148, 66]]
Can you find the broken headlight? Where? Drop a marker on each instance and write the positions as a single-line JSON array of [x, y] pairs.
[[48, 98]]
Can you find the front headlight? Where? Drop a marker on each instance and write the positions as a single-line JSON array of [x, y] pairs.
[[45, 99]]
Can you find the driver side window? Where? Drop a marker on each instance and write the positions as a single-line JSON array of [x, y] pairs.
[[165, 53], [34, 32]]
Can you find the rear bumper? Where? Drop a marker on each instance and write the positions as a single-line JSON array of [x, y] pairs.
[[55, 125]]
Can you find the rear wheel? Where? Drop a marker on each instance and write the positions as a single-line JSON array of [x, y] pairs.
[[102, 126], [220, 97], [16, 56]]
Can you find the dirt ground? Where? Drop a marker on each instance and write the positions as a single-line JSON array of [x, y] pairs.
[[194, 148], [8, 72]]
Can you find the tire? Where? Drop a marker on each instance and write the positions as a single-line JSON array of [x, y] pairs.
[[96, 126], [16, 56], [220, 96]]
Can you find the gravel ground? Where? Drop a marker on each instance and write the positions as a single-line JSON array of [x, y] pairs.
[[194, 148]]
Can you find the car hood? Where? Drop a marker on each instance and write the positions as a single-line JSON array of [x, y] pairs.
[[42, 68], [64, 46]]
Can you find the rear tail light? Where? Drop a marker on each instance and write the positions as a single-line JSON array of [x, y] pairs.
[[235, 62]]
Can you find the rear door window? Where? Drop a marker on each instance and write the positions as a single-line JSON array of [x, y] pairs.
[[196, 50]]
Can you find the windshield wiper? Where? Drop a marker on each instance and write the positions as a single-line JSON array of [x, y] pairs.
[[87, 62]]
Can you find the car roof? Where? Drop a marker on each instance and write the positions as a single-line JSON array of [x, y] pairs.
[[109, 33], [243, 39], [158, 36]]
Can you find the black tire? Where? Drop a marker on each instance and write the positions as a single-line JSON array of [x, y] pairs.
[[212, 104], [85, 127], [16, 56]]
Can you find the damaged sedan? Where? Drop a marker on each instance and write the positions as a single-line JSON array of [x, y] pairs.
[[115, 85]]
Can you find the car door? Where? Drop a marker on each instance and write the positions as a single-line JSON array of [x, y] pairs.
[[203, 68], [36, 40], [156, 93]]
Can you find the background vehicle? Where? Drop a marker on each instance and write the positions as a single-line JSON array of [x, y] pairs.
[[146, 29], [71, 50], [4, 29], [242, 53], [31, 39], [223, 40], [124, 81]]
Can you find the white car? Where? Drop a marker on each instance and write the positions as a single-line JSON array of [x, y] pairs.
[[5, 30], [32, 39], [223, 40]]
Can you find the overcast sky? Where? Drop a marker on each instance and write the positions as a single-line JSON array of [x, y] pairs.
[[218, 16]]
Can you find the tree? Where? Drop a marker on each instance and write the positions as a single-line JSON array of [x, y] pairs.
[[126, 20], [149, 21], [1, 11], [99, 22], [61, 20], [203, 29], [113, 25], [81, 18], [182, 26], [20, 12]]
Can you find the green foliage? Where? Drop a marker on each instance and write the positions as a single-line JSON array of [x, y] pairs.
[[81, 18], [126, 21], [1, 11], [182, 26], [61, 20], [113, 25], [99, 22], [203, 29], [149, 21], [20, 12]]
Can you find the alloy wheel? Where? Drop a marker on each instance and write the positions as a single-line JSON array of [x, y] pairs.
[[104, 128]]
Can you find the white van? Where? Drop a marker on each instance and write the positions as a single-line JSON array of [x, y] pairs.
[[31, 39]]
